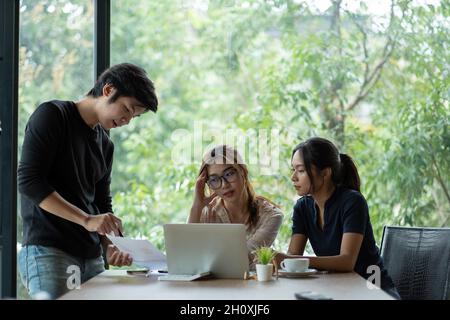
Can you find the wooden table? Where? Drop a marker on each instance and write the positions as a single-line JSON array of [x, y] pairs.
[[117, 285]]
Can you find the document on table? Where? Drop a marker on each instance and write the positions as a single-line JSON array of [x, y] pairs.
[[184, 277], [142, 251]]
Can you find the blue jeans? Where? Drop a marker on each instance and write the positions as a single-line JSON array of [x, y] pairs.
[[45, 271]]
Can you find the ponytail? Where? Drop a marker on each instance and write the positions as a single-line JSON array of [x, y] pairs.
[[322, 153], [349, 173]]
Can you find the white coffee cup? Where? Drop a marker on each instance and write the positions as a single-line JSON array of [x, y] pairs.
[[295, 264]]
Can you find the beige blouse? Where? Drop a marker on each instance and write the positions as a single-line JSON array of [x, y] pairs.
[[263, 234]]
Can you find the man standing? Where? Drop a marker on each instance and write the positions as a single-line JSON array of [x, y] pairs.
[[64, 178]]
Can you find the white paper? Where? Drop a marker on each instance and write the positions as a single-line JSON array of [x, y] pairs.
[[184, 277], [142, 251]]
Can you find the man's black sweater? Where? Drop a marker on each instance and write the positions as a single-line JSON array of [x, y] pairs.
[[62, 153]]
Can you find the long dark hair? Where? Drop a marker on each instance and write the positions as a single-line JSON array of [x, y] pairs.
[[322, 153]]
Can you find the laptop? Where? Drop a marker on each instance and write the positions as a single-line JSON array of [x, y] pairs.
[[198, 249]]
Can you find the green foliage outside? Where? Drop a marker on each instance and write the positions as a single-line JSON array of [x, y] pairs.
[[378, 87], [379, 91]]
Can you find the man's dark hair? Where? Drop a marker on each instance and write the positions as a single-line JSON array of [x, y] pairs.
[[129, 80]]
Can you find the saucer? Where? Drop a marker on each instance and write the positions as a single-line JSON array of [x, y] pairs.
[[306, 273]]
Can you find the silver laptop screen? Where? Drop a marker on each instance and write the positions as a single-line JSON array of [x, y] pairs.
[[201, 247]]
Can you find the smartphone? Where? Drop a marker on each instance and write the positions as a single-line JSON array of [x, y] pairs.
[[311, 295], [135, 272]]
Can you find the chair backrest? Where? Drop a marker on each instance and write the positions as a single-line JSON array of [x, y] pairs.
[[418, 261]]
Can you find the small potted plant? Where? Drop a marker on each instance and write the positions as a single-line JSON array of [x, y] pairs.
[[264, 267]]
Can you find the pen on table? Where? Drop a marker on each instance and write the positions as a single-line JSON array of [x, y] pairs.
[[274, 262]]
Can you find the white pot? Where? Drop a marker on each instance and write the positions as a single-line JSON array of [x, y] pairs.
[[264, 272]]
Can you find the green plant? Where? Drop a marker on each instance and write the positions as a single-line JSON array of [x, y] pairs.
[[264, 255]]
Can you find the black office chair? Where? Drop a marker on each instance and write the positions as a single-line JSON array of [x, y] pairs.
[[418, 261]]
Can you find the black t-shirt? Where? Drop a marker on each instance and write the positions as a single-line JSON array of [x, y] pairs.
[[345, 211], [62, 153]]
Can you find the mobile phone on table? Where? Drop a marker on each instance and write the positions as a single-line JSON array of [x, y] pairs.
[[311, 295], [141, 271]]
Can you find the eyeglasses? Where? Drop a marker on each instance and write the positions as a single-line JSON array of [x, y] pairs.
[[229, 175]]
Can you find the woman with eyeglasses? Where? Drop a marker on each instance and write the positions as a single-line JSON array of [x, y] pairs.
[[232, 199]]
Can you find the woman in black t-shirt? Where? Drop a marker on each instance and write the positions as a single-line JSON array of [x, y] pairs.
[[332, 214]]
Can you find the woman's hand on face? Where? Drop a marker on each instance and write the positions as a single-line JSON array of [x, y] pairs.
[[200, 198]]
